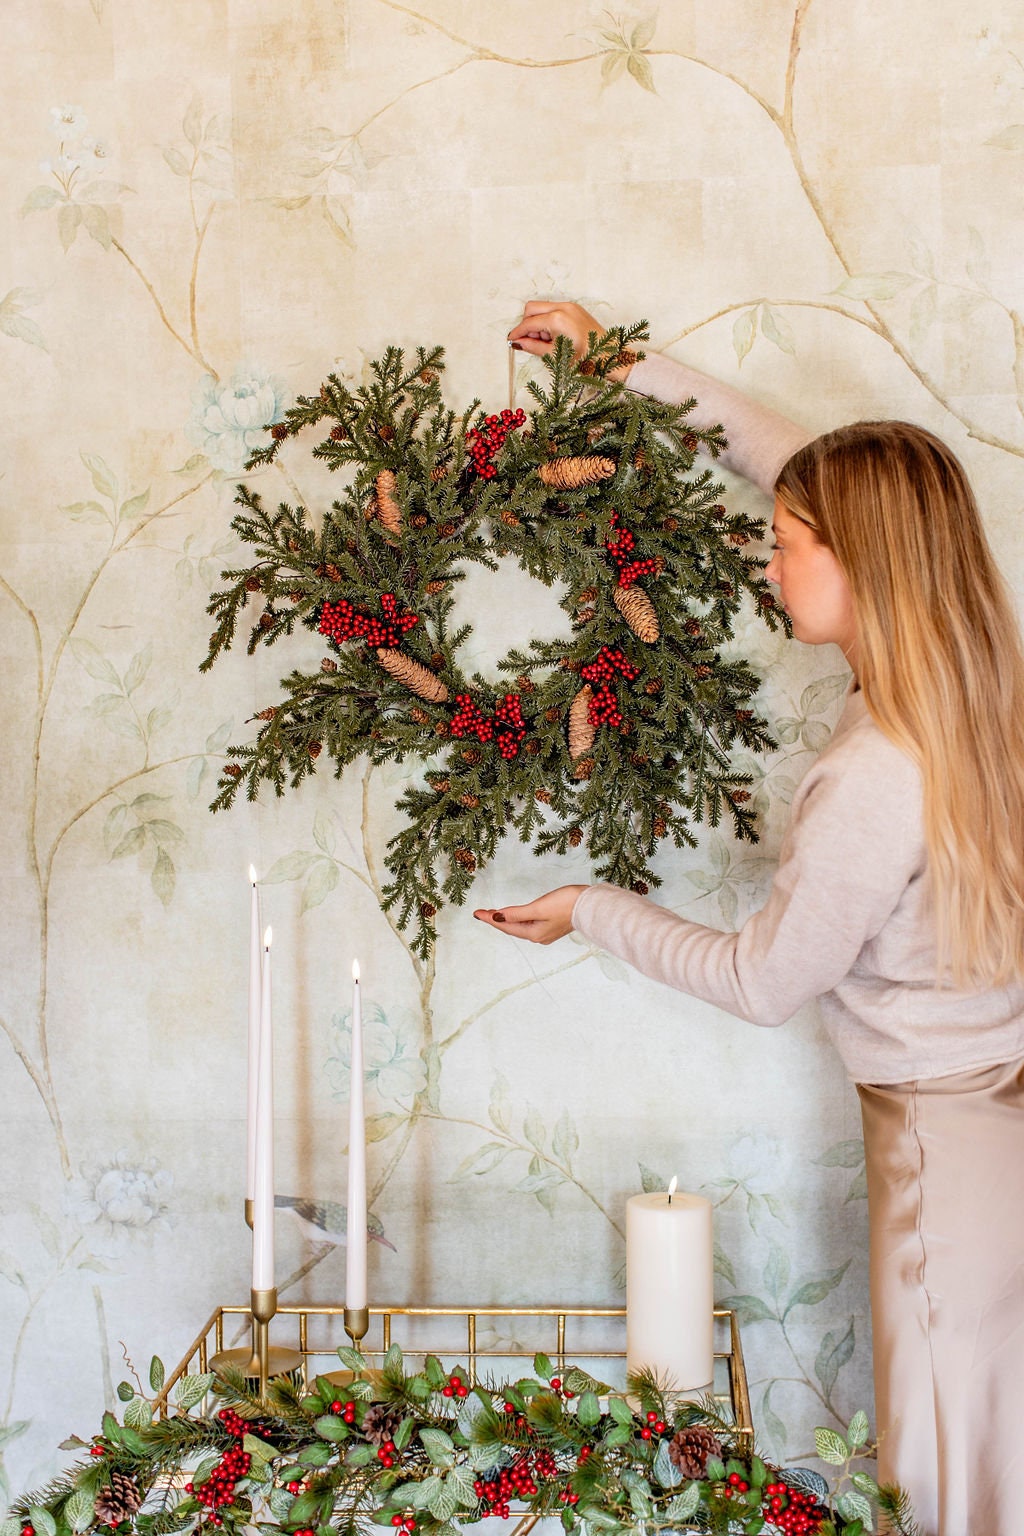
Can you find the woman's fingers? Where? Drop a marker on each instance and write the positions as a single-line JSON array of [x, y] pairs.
[[541, 921], [542, 321]]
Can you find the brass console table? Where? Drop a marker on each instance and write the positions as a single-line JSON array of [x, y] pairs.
[[592, 1337]]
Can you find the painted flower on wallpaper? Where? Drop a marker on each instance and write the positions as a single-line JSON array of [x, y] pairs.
[[122, 1198], [394, 1067], [228, 419]]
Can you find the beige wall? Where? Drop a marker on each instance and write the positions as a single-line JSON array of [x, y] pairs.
[[259, 192]]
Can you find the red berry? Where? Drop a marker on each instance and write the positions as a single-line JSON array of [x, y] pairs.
[[556, 1383], [645, 1433]]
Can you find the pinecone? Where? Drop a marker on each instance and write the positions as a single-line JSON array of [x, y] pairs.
[[638, 611], [446, 531], [438, 473], [552, 714], [267, 714], [338, 433], [653, 687], [419, 715], [252, 584], [427, 910], [543, 795], [314, 749], [582, 732], [583, 768], [466, 859], [690, 1449], [670, 524], [279, 430], [472, 756], [416, 677], [524, 684], [328, 665], [471, 802], [233, 770], [575, 837], [568, 474], [588, 595], [441, 786], [419, 520], [118, 1502], [380, 1422], [389, 513], [509, 518], [693, 628], [434, 587], [333, 574]]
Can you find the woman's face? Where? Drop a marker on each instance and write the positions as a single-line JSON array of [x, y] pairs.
[[812, 587]]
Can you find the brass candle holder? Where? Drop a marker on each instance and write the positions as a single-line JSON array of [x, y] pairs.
[[263, 1361], [250, 1207]]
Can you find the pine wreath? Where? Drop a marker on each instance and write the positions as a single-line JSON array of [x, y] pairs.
[[614, 738]]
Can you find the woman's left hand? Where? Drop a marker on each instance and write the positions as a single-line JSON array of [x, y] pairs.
[[541, 921]]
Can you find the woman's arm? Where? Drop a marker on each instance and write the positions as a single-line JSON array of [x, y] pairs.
[[760, 440]]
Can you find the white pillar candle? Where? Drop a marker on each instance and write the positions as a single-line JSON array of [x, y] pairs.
[[263, 1195], [255, 1004], [355, 1254], [670, 1288]]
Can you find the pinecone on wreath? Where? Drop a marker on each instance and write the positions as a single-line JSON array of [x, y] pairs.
[[119, 1501], [690, 1448], [380, 1423]]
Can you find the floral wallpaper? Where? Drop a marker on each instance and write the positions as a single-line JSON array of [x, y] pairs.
[[205, 208]]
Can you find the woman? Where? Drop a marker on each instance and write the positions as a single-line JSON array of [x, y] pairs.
[[898, 901]]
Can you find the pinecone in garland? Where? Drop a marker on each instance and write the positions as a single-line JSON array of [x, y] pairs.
[[416, 677], [120, 1501], [582, 732], [568, 474], [380, 1423], [638, 611], [690, 1448]]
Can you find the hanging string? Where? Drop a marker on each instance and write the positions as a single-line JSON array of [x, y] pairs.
[[511, 379]]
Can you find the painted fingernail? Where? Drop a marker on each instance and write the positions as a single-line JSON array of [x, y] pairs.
[[516, 346], [499, 917]]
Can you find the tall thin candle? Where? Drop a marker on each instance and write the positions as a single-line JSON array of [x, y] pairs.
[[355, 1258], [255, 1004], [263, 1196]]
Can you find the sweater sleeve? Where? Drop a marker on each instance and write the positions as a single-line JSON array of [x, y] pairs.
[[760, 440], [852, 847]]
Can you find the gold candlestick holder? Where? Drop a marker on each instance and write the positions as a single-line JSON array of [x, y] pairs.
[[262, 1362], [250, 1207]]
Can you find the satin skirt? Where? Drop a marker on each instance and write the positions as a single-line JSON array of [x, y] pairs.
[[945, 1170]]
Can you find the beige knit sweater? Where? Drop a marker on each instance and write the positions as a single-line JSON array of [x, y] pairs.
[[848, 917]]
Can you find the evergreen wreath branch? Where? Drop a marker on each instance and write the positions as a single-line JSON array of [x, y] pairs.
[[594, 491]]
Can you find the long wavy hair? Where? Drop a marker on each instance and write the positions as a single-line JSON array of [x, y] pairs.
[[940, 663]]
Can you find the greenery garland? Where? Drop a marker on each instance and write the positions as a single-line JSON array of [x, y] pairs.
[[615, 738], [426, 1454]]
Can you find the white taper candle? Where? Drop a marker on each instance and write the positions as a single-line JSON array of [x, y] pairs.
[[355, 1255], [263, 1193], [670, 1288], [255, 1004]]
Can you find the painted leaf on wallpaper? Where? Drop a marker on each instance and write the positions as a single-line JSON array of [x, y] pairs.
[[1011, 138], [835, 1351], [777, 329], [500, 1105], [744, 332], [14, 321], [877, 286], [811, 1292], [774, 1426], [650, 1182]]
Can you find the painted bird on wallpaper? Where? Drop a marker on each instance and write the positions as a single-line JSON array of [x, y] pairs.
[[326, 1221]]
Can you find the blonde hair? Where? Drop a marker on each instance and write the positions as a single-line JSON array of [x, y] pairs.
[[940, 663]]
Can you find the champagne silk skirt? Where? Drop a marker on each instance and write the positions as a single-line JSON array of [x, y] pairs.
[[945, 1168]]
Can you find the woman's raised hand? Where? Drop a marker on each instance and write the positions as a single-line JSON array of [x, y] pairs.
[[541, 921], [543, 320]]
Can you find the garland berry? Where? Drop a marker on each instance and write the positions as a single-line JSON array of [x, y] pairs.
[[486, 441], [340, 621]]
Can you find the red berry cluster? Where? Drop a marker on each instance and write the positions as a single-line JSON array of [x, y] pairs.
[[455, 1386], [340, 621], [792, 1510], [234, 1423], [620, 547], [507, 723], [485, 442], [99, 1449], [347, 1410], [603, 708], [386, 1454], [405, 1522], [654, 1426], [219, 1488], [519, 1481]]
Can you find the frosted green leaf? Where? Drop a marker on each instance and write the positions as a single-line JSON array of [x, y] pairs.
[[588, 1409], [533, 1129], [684, 1504], [177, 161], [156, 1374], [322, 880], [744, 331], [865, 1484], [620, 1410], [292, 867], [443, 1502], [777, 329], [460, 1483], [857, 1432], [43, 1521], [830, 1447], [875, 285], [69, 217], [324, 833], [192, 1389], [640, 69], [138, 1414], [351, 1358], [665, 1469], [40, 197], [425, 1492], [134, 506], [79, 1510], [95, 663], [640, 1501], [484, 1160], [281, 1502], [854, 1506], [812, 1292]]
